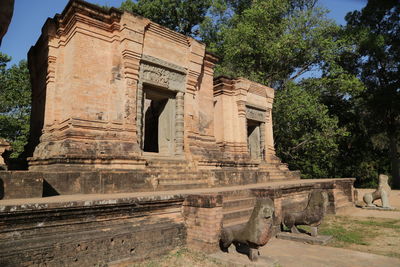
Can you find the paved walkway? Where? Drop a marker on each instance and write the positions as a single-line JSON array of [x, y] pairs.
[[295, 254], [287, 253]]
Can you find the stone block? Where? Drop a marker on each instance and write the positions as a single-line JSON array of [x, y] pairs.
[[305, 238], [20, 184]]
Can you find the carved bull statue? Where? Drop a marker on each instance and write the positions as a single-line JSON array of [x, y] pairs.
[[255, 233], [312, 215]]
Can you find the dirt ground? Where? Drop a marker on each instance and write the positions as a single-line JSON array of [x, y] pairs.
[[367, 234], [361, 238], [394, 199], [296, 254]]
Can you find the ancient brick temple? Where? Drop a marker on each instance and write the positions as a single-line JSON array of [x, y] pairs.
[[112, 90], [137, 149]]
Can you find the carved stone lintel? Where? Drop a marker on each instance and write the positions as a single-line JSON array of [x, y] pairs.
[[163, 74], [165, 64], [255, 114]]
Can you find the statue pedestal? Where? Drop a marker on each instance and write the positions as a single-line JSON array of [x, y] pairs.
[[236, 258], [378, 208], [305, 238]]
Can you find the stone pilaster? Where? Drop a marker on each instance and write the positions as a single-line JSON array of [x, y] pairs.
[[269, 137], [242, 125], [50, 90], [262, 139], [203, 218], [139, 113], [179, 123]]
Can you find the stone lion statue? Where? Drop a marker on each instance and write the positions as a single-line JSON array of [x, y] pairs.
[[382, 193], [255, 233], [312, 215]]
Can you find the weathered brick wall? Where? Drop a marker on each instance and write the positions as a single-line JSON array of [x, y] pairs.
[[62, 232], [20, 184], [203, 218], [90, 233]]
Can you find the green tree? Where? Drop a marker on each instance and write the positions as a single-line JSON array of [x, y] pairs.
[[275, 42], [15, 98], [306, 136], [183, 16], [375, 31]]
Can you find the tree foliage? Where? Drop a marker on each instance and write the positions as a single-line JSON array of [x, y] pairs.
[[179, 15], [15, 98], [275, 41], [375, 32], [306, 136]]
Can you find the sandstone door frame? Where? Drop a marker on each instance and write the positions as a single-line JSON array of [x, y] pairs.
[[257, 115], [168, 77], [160, 107]]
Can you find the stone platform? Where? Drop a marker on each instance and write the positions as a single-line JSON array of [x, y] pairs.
[[86, 229], [305, 238]]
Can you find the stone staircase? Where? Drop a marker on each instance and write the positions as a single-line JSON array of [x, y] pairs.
[[342, 202], [176, 175], [237, 208], [279, 171]]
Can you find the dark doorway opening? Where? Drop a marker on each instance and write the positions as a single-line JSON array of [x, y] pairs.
[[253, 139], [159, 123]]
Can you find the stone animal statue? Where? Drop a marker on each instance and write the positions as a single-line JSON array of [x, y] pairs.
[[382, 193], [6, 12], [255, 233], [312, 215]]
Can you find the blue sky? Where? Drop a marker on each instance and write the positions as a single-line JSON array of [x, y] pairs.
[[30, 15]]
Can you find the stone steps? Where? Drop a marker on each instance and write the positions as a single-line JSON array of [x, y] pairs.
[[233, 203], [182, 180], [169, 164], [237, 213], [279, 171], [182, 186], [237, 208], [342, 201]]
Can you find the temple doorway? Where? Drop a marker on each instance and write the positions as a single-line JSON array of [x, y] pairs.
[[159, 121], [253, 139]]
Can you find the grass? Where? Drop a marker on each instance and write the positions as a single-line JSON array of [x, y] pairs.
[[374, 235], [391, 224], [351, 236]]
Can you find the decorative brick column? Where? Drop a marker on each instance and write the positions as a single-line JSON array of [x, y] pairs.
[[203, 218], [179, 123]]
